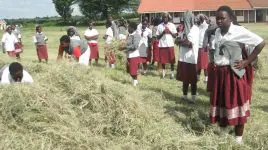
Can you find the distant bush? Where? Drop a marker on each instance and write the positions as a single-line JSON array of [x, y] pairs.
[[75, 21]]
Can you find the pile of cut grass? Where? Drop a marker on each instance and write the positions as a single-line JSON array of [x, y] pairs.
[[76, 107]]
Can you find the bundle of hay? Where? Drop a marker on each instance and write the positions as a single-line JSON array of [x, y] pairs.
[[68, 107]]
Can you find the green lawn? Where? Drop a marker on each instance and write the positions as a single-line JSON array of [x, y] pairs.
[[77, 107]]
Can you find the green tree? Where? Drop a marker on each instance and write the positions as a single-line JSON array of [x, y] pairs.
[[101, 8], [63, 7]]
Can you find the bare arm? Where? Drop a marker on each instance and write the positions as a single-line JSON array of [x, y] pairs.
[[60, 53], [161, 35], [256, 52], [244, 63]]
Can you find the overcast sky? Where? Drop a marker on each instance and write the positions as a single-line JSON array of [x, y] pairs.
[[28, 9]]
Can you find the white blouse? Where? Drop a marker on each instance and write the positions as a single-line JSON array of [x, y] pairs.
[[190, 55], [237, 34], [167, 40]]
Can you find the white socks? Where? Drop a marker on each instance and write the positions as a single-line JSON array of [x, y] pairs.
[[112, 66], [184, 97], [135, 82], [238, 139], [206, 79], [163, 73], [172, 75]]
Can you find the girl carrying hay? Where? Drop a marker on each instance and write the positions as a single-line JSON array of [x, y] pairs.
[[109, 52]]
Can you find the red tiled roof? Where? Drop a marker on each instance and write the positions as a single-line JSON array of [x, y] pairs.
[[147, 6], [150, 6], [215, 4], [259, 3]]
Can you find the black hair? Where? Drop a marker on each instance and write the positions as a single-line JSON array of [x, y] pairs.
[[133, 25], [38, 26], [144, 21], [15, 67], [65, 38], [230, 13], [157, 21], [70, 29], [144, 18], [108, 23], [226, 9]]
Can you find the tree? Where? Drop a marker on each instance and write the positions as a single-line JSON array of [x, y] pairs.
[[63, 7], [102, 8]]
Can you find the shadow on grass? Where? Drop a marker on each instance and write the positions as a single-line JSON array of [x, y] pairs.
[[264, 108], [264, 90], [193, 117], [202, 91], [123, 81]]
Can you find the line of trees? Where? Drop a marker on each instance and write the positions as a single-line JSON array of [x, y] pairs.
[[95, 9]]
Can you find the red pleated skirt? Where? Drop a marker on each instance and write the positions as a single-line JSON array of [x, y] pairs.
[[202, 62], [156, 57], [133, 64], [42, 51], [77, 52], [230, 96], [186, 72], [210, 76], [94, 51], [167, 55]]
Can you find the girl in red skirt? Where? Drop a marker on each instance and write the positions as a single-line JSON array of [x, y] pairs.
[[166, 32], [145, 48], [79, 51], [132, 50], [155, 42], [186, 71], [203, 50], [230, 95], [92, 35], [209, 41], [110, 58], [40, 41]]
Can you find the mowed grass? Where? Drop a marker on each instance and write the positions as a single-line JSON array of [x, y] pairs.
[[76, 107]]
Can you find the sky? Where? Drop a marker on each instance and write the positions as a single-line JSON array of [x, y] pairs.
[[13, 9]]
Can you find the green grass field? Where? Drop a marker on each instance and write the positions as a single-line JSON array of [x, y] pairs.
[[76, 107]]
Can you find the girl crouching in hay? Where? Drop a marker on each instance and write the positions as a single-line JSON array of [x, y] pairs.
[[109, 52], [78, 51]]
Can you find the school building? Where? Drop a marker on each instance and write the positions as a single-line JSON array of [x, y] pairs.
[[245, 10]]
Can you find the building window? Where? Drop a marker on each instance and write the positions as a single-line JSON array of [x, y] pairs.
[[178, 14], [239, 13], [213, 13], [196, 13], [205, 13]]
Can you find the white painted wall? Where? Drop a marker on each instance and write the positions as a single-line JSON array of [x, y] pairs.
[[240, 18], [176, 20], [267, 15]]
